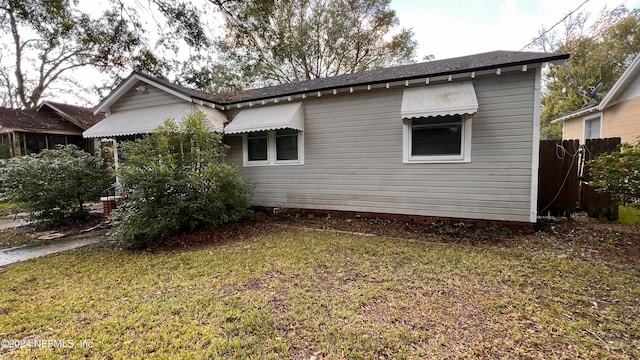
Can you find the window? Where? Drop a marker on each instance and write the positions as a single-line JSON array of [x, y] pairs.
[[273, 147], [286, 144], [437, 139], [593, 127], [257, 146], [437, 122], [34, 143]]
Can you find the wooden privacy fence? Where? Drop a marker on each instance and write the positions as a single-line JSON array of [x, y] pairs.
[[597, 204], [562, 174]]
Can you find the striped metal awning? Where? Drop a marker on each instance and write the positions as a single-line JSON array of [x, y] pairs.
[[145, 120], [284, 116], [439, 100]]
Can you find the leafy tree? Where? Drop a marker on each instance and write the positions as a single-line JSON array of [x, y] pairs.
[[618, 173], [50, 38], [54, 184], [283, 41], [175, 179], [43, 41], [211, 77], [599, 54]]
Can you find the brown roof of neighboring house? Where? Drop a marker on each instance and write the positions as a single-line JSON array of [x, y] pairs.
[[80, 116], [34, 120]]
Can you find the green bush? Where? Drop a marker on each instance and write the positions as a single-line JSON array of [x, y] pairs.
[[618, 173], [54, 184], [174, 180]]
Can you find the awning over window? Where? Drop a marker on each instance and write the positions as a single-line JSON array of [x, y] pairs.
[[285, 116], [145, 120], [439, 100]]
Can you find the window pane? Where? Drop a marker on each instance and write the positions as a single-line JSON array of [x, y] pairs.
[[55, 140], [592, 128], [35, 143], [286, 144], [436, 136], [257, 146]]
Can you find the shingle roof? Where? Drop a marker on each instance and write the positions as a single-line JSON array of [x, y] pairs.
[[196, 94], [78, 115], [34, 120], [463, 64]]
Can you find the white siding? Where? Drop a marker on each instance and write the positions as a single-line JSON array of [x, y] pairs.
[[353, 158], [632, 91], [152, 96]]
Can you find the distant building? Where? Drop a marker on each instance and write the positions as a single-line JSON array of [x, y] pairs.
[[30, 131], [617, 115]]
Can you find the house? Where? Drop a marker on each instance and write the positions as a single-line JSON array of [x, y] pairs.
[[30, 131], [141, 103], [448, 139], [617, 115]]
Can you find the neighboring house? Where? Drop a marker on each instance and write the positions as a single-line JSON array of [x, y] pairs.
[[617, 115], [454, 138], [30, 131]]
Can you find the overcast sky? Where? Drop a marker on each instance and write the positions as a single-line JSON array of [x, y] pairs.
[[450, 28]]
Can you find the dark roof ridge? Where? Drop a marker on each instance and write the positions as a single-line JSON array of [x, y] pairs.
[[450, 66], [193, 93]]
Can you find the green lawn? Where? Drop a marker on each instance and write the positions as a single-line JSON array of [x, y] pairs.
[[629, 215], [268, 291]]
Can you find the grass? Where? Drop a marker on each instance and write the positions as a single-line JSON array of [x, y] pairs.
[[283, 292], [6, 208], [629, 215]]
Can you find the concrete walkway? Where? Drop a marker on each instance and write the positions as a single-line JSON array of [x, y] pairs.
[[59, 242], [13, 221], [22, 253]]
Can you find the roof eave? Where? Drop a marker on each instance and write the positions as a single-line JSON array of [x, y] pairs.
[[621, 84], [559, 59], [133, 79], [576, 114], [68, 117]]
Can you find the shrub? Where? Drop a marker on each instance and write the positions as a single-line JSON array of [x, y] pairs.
[[618, 173], [54, 184], [174, 180]]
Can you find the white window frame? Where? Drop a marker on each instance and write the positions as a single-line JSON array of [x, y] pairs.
[[271, 151], [584, 126], [465, 146]]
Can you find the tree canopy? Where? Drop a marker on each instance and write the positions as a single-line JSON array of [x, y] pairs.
[[45, 40], [264, 42], [599, 54], [282, 41]]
